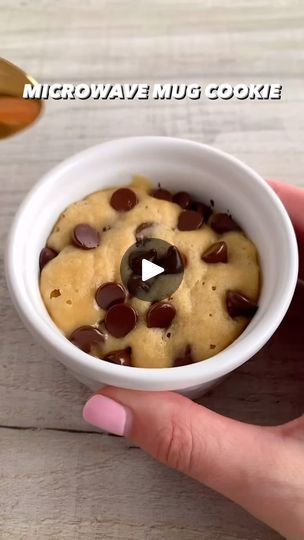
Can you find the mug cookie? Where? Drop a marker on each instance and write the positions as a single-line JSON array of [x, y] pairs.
[[82, 289]]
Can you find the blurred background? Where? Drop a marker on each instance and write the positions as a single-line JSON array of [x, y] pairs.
[[162, 41], [59, 480]]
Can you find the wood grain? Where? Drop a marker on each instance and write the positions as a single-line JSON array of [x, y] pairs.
[[59, 479], [73, 486]]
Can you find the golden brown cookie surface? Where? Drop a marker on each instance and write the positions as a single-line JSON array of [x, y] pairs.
[[216, 263]]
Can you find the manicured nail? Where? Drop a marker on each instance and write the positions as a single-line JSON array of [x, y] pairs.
[[108, 415]]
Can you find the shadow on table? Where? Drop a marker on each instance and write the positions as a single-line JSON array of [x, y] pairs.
[[269, 389]]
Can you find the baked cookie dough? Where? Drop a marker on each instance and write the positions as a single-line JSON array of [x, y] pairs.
[[80, 280]]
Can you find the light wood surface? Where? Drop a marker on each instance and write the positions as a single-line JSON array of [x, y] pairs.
[[59, 479]]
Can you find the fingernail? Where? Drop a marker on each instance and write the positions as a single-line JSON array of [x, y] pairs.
[[108, 415]]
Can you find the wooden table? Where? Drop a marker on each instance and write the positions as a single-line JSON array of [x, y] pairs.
[[58, 478]]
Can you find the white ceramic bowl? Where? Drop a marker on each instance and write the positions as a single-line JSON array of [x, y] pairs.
[[178, 165]]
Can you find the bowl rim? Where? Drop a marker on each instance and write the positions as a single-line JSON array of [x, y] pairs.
[[190, 375]]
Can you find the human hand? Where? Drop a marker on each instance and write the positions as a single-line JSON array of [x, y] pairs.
[[260, 468], [293, 199]]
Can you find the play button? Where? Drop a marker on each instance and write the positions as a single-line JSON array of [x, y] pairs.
[[152, 269]]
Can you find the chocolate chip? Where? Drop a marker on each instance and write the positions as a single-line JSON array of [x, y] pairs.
[[217, 253], [109, 294], [239, 305], [160, 315], [135, 259], [121, 357], [135, 283], [46, 255], [183, 199], [188, 350], [189, 220], [222, 223], [123, 200], [202, 208], [185, 259], [182, 361], [85, 336], [141, 230], [172, 262], [185, 358], [85, 236], [140, 242], [120, 320], [162, 194]]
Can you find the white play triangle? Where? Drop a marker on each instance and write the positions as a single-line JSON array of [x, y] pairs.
[[149, 270]]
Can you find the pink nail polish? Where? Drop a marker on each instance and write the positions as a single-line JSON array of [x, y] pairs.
[[108, 415]]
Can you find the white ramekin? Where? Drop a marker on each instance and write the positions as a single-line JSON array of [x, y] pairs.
[[178, 165]]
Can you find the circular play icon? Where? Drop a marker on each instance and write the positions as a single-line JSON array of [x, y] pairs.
[[152, 269]]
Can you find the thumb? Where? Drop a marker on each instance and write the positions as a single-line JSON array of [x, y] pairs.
[[240, 461]]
